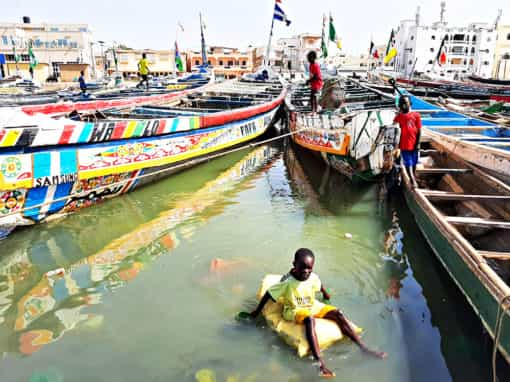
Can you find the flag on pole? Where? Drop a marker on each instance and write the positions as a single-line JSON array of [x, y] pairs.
[[16, 56], [180, 26], [391, 51], [279, 14], [324, 46], [178, 60], [373, 50], [31, 55], [332, 33], [441, 53]]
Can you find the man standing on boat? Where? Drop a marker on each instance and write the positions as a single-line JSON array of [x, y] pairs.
[[143, 69], [83, 85], [410, 131], [315, 80]]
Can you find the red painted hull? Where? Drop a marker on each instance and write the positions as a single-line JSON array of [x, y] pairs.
[[64, 108]]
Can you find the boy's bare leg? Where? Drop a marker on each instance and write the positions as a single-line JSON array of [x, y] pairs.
[[311, 337], [412, 174], [346, 329]]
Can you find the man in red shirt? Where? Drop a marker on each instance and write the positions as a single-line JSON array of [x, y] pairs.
[[315, 80], [410, 131]]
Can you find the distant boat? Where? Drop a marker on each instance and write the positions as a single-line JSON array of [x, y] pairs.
[[464, 214]]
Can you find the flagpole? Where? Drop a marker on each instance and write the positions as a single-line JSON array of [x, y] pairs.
[[268, 49]]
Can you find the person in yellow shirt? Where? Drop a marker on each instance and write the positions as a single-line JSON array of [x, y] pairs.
[[296, 291], [143, 70]]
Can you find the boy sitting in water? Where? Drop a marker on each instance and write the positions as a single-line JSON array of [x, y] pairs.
[[296, 291]]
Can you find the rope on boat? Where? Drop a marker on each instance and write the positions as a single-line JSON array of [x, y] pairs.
[[502, 308], [161, 171]]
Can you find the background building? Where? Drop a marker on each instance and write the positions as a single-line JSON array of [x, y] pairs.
[[226, 62], [469, 49], [62, 50], [502, 53], [161, 62]]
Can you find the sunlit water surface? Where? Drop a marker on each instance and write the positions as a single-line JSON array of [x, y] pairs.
[[154, 279]]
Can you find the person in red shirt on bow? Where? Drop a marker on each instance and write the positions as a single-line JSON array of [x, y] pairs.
[[410, 131], [315, 80]]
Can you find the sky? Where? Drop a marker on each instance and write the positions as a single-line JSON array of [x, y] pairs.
[[152, 24]]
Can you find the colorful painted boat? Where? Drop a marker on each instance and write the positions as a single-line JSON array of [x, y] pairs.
[[482, 143], [464, 214], [357, 139], [38, 309], [125, 98], [50, 167]]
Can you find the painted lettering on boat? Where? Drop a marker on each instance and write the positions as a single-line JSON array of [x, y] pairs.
[[103, 131], [55, 179]]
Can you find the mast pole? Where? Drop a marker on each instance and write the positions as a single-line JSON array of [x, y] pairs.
[[268, 49]]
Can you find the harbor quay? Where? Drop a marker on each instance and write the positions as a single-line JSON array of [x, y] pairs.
[[196, 195]]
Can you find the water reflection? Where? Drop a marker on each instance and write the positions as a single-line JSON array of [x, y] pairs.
[[36, 310]]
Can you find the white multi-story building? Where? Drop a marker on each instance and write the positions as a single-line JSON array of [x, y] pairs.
[[469, 49], [61, 50]]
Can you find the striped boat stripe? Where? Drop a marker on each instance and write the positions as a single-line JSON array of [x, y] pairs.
[[42, 164], [175, 123], [162, 125], [66, 134], [129, 130], [68, 164], [119, 130], [139, 128], [27, 137], [85, 134], [11, 138]]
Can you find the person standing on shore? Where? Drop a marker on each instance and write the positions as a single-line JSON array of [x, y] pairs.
[[83, 85], [143, 70], [315, 80]]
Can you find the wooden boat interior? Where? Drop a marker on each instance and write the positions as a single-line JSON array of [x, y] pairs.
[[473, 202]]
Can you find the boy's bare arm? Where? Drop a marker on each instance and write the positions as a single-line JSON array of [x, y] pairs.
[[261, 305], [325, 293]]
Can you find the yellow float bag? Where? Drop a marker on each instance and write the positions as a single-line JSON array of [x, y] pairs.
[[294, 334]]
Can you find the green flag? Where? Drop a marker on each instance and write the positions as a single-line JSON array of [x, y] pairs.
[[324, 44], [332, 34], [31, 55], [16, 56], [178, 59]]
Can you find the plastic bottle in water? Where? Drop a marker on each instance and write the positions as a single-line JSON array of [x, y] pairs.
[[56, 272]]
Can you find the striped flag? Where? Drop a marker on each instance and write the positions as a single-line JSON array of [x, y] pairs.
[[391, 51], [373, 50], [279, 14], [178, 60], [31, 55], [441, 53], [333, 35]]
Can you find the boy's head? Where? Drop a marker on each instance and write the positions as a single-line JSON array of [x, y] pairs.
[[304, 261], [82, 72], [144, 55], [404, 104], [311, 56]]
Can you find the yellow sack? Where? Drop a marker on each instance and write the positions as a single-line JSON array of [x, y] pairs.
[[294, 334]]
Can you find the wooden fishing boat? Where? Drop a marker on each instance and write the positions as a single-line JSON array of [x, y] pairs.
[[482, 143], [354, 133], [113, 98], [464, 214], [53, 166]]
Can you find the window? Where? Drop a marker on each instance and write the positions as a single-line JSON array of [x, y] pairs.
[[220, 63], [472, 50], [73, 45], [410, 62], [197, 62], [431, 62], [508, 36], [433, 37], [83, 29], [432, 49], [412, 38], [486, 62], [209, 62], [231, 63], [243, 63], [53, 29], [474, 39], [458, 37], [5, 40]]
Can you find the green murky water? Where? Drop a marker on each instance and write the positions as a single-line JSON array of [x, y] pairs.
[[153, 280]]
